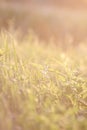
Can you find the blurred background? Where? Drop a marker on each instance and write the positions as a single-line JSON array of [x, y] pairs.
[[63, 20]]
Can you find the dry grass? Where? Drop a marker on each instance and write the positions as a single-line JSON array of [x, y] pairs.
[[41, 86]]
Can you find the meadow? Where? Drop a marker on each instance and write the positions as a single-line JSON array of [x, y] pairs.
[[43, 65], [42, 86]]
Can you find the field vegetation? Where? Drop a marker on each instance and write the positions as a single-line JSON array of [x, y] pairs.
[[43, 65], [42, 86]]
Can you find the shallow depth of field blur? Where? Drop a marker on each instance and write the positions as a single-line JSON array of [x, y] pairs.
[[43, 65]]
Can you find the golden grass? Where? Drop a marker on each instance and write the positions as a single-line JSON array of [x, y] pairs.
[[41, 86]]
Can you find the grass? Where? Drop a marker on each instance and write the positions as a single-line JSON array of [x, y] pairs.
[[42, 87]]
